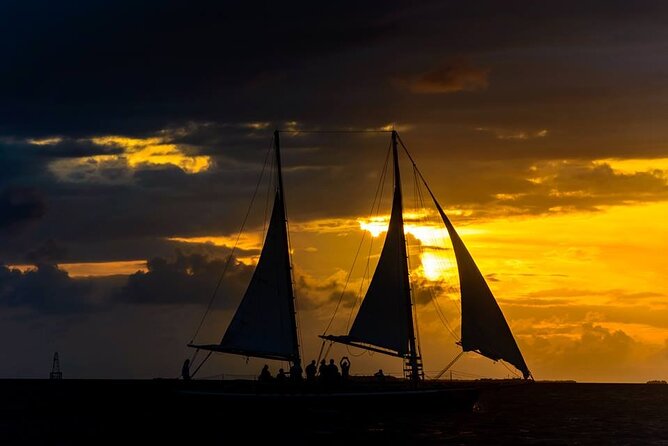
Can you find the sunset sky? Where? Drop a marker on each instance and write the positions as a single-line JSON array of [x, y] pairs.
[[132, 136]]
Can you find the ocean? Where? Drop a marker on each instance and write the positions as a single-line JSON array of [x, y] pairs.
[[538, 413]]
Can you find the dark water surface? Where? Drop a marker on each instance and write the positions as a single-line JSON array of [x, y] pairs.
[[538, 413]]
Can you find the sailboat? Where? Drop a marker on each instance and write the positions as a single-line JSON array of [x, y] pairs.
[[265, 322], [384, 323]]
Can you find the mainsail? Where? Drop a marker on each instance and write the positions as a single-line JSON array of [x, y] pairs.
[[382, 317], [385, 317], [484, 329], [264, 324]]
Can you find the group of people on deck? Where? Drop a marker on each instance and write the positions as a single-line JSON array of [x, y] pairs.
[[326, 373]]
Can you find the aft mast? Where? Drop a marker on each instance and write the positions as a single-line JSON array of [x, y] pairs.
[[384, 322], [413, 359]]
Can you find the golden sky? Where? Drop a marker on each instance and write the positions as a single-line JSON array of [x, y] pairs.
[[583, 291], [128, 157]]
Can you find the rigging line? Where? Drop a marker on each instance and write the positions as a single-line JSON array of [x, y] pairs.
[[424, 181], [234, 247], [433, 298], [416, 326], [329, 348], [439, 310], [450, 364], [353, 354], [192, 358], [377, 201], [268, 197], [334, 131], [322, 347], [292, 277], [359, 248], [201, 364], [512, 372]]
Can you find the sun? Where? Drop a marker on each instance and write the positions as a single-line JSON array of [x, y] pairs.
[[433, 240]]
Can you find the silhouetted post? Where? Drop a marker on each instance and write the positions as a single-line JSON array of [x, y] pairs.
[[55, 369]]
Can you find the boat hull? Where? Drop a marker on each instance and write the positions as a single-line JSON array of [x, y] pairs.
[[219, 396], [376, 398]]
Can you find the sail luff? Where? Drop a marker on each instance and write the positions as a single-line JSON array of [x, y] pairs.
[[291, 300], [412, 347]]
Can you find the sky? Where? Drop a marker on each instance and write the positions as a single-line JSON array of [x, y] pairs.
[[133, 134]]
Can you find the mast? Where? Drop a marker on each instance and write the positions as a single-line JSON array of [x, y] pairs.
[[384, 322], [412, 345], [291, 300]]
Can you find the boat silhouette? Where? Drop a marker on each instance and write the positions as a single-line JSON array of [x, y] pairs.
[[265, 322]]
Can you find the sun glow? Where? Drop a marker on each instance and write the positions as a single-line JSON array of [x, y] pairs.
[[435, 267], [433, 241], [93, 269]]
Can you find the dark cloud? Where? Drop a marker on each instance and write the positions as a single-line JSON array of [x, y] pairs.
[[46, 289], [187, 279], [18, 206], [449, 77], [114, 55], [182, 279], [49, 253]]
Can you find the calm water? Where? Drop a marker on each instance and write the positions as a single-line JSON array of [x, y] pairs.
[[541, 413]]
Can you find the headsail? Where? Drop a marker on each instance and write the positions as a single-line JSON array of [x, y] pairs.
[[264, 325], [484, 329]]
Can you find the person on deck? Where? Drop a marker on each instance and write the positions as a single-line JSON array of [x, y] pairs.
[[323, 371], [333, 371], [185, 370], [265, 374], [345, 367], [311, 371], [296, 373], [380, 376], [281, 377]]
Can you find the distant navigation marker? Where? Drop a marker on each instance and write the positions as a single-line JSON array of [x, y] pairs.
[[55, 370]]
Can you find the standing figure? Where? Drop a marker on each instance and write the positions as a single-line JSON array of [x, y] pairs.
[[265, 374], [296, 373], [332, 371], [323, 371], [311, 371], [281, 378], [345, 367], [185, 370]]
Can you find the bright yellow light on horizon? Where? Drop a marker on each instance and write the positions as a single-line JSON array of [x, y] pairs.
[[94, 269], [435, 264]]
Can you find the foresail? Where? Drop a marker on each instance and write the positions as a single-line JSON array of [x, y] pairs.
[[381, 320], [262, 325], [484, 328]]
